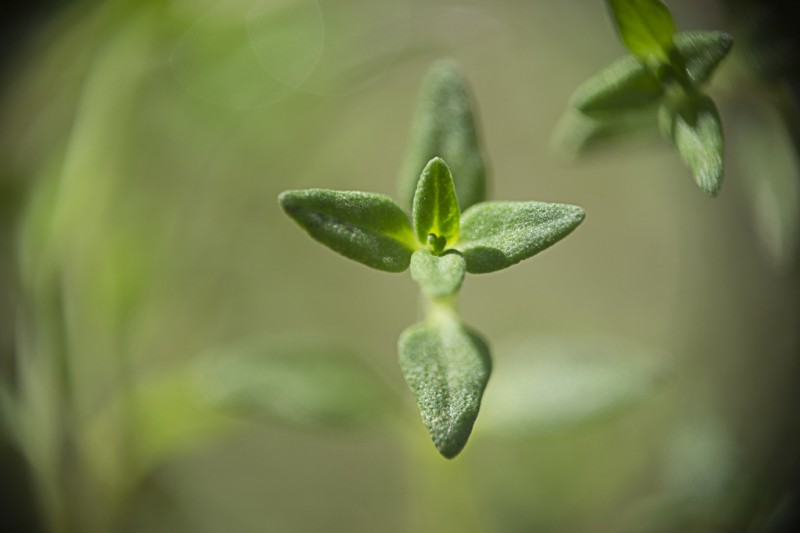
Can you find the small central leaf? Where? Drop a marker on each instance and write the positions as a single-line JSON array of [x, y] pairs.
[[435, 208], [439, 276], [436, 243], [447, 367], [646, 27]]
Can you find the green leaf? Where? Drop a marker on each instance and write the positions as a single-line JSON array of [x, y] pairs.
[[576, 132], [445, 126], [701, 52], [496, 235], [625, 85], [447, 367], [547, 383], [693, 125], [646, 27], [368, 228], [435, 209], [439, 276], [167, 412], [309, 382], [768, 164]]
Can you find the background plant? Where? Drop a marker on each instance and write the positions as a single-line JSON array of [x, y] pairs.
[[660, 81]]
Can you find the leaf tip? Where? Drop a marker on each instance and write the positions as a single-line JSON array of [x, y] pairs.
[[576, 213], [284, 198], [451, 439], [287, 200], [435, 163], [449, 449], [725, 41], [710, 181]]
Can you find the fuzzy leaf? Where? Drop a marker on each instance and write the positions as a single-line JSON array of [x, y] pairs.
[[645, 26], [435, 209], [445, 126], [368, 228], [447, 367], [439, 276], [496, 235], [694, 127], [701, 52], [625, 85]]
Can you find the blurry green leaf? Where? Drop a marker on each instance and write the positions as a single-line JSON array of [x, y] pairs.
[[496, 235], [646, 27], [576, 132], [302, 382], [767, 163], [445, 126], [701, 460], [549, 382], [693, 125], [447, 367], [435, 209], [701, 52], [626, 84], [702, 478], [439, 276], [368, 228], [165, 412]]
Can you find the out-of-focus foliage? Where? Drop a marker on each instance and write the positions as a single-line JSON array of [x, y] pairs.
[[667, 69], [544, 384], [142, 146], [769, 165], [445, 126]]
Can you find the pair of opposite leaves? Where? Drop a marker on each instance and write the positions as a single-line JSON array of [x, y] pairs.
[[445, 363], [661, 82]]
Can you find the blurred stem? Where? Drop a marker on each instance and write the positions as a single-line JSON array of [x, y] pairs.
[[442, 311], [442, 497], [79, 493]]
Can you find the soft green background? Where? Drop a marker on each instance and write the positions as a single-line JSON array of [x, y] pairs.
[[143, 146]]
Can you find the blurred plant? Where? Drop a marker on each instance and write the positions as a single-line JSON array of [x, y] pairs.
[[446, 364], [93, 424], [660, 82]]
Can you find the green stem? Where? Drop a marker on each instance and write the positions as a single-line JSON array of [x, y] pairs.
[[442, 495], [441, 311]]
